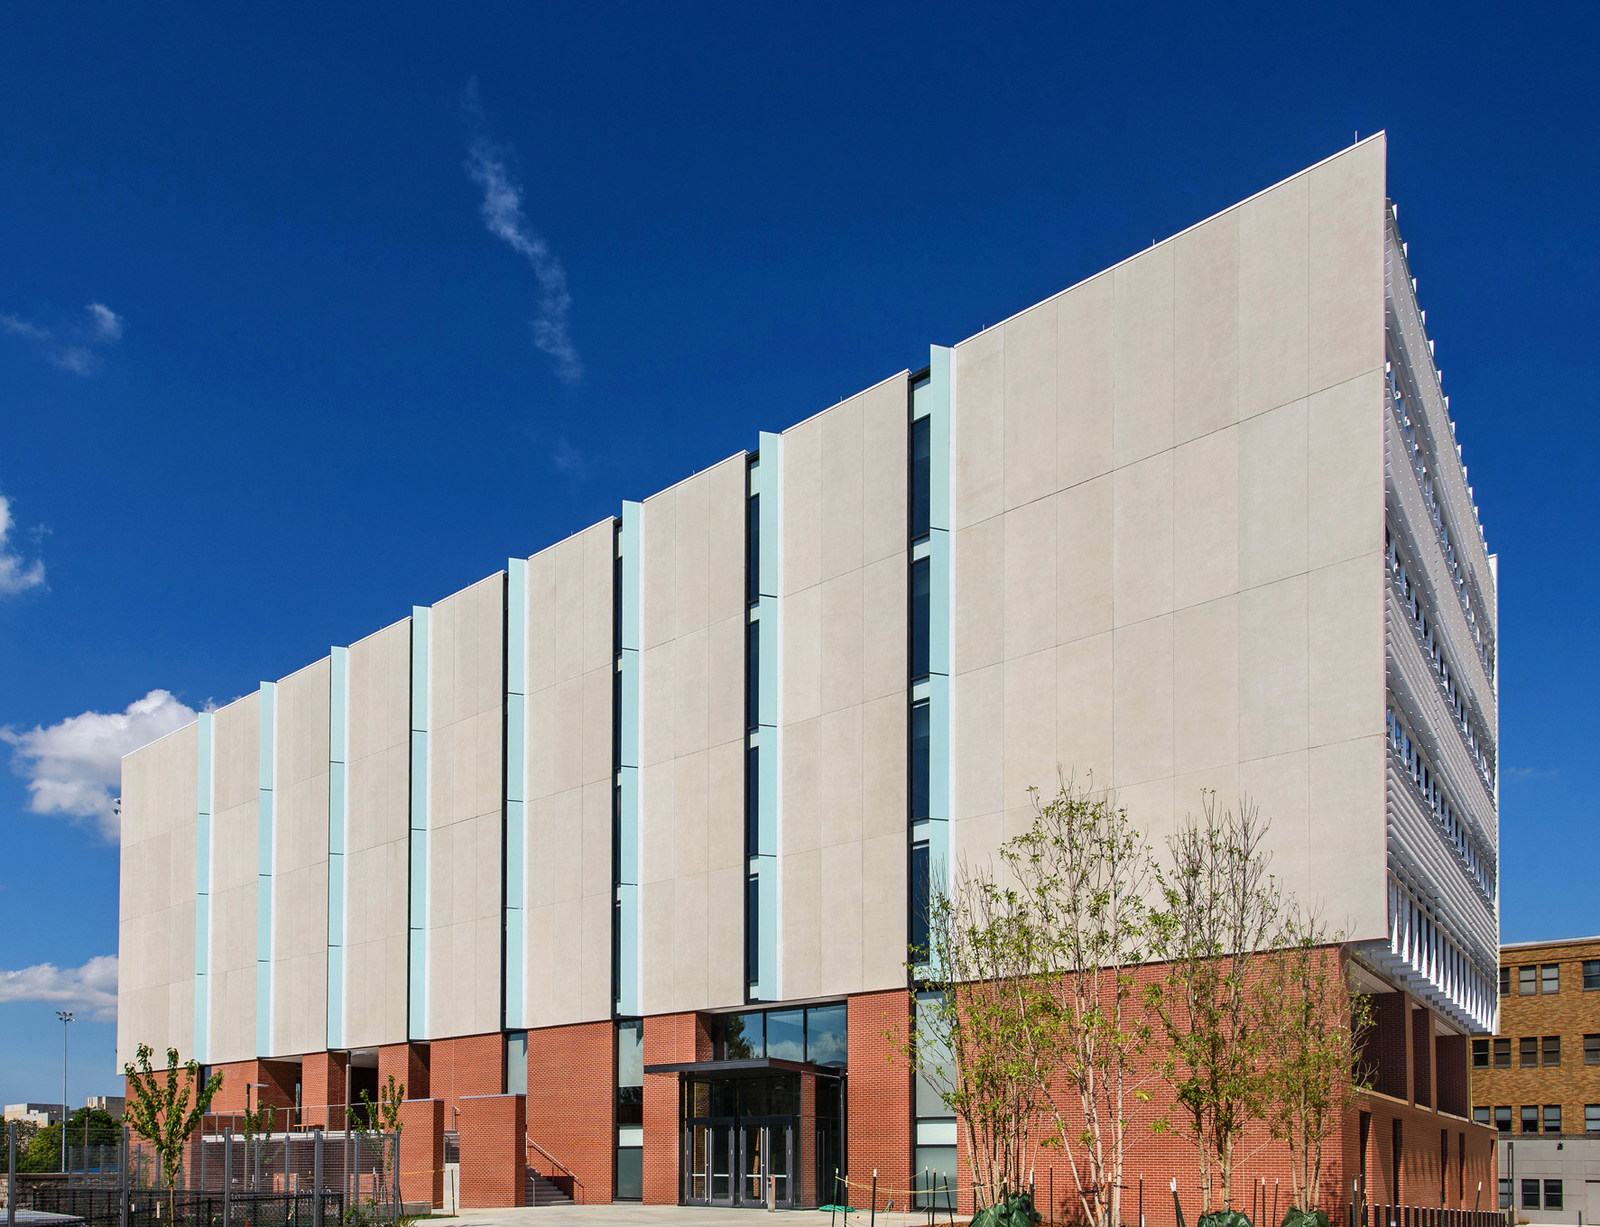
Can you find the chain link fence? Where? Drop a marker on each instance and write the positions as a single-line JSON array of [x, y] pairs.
[[298, 1178]]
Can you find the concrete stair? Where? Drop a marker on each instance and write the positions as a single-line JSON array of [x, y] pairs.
[[542, 1192]]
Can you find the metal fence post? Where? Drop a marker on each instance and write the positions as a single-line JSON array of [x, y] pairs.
[[11, 1174], [394, 1157], [227, 1176], [122, 1180], [316, 1177]]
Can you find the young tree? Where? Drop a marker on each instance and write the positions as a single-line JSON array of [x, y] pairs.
[[159, 1110], [386, 1114], [1084, 869], [970, 1043], [1219, 907], [1314, 1024]]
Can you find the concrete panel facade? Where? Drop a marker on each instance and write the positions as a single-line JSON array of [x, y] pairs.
[[569, 765], [377, 838], [235, 844], [1189, 595], [843, 697], [465, 749], [300, 863], [692, 746], [156, 964]]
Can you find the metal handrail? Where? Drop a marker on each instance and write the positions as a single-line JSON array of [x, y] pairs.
[[577, 1181]]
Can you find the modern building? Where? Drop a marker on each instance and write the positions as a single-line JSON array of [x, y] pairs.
[[617, 851], [40, 1114], [1536, 1081], [111, 1105]]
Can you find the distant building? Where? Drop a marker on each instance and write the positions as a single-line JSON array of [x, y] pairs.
[[111, 1105], [1537, 1080], [40, 1114]]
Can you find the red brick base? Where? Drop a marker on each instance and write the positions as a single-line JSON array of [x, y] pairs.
[[493, 1169], [422, 1151], [572, 1089]]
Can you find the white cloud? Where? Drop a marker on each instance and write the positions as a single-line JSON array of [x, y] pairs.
[[502, 214], [91, 988], [75, 767], [16, 575], [107, 323], [75, 347]]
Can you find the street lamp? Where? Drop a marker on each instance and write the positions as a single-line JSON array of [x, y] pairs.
[[66, 1017]]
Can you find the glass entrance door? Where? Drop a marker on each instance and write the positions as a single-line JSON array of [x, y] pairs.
[[740, 1157]]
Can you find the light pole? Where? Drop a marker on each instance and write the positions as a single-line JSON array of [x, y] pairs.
[[66, 1017]]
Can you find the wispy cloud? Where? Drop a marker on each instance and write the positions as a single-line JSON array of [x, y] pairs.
[[78, 346], [91, 988], [488, 164], [16, 574], [1530, 773], [74, 768]]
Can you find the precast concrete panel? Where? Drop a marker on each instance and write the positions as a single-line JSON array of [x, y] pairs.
[[300, 864], [377, 839], [1191, 597], [156, 910], [844, 688], [568, 860], [692, 610], [235, 836], [465, 746]]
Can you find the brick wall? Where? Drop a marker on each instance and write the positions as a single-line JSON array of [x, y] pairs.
[[279, 1077], [1571, 1013], [323, 1088], [1387, 1045], [493, 1169], [1422, 1057], [408, 1065], [422, 1151], [572, 1102], [667, 1038], [465, 1066], [878, 1098]]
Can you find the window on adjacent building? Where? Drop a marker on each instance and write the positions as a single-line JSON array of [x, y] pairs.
[[1550, 978], [1591, 1118], [1480, 1115], [1551, 1050], [1591, 973], [1480, 1054], [1505, 1193], [1552, 1118], [1591, 1050], [1502, 1118], [1530, 1118], [1530, 1194], [1502, 1054], [1505, 981], [1528, 1052], [1527, 981], [1553, 1199]]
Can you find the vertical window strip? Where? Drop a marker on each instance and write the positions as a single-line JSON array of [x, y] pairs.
[[625, 914], [338, 832], [929, 586], [204, 763], [765, 868], [265, 841], [515, 814], [417, 923]]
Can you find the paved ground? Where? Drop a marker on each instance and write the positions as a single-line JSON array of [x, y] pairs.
[[624, 1215]]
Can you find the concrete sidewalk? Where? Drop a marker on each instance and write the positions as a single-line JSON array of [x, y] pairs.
[[634, 1215]]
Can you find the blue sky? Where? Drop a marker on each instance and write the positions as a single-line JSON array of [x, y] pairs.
[[269, 373]]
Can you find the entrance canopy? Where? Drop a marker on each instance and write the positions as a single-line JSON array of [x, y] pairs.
[[745, 1066]]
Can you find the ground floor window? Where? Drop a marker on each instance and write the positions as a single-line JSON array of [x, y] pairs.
[[1552, 1195], [1505, 1193]]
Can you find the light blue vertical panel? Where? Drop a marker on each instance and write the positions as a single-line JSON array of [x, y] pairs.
[[768, 484], [516, 818], [202, 889], [933, 400], [338, 819], [417, 945], [268, 760], [626, 913]]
